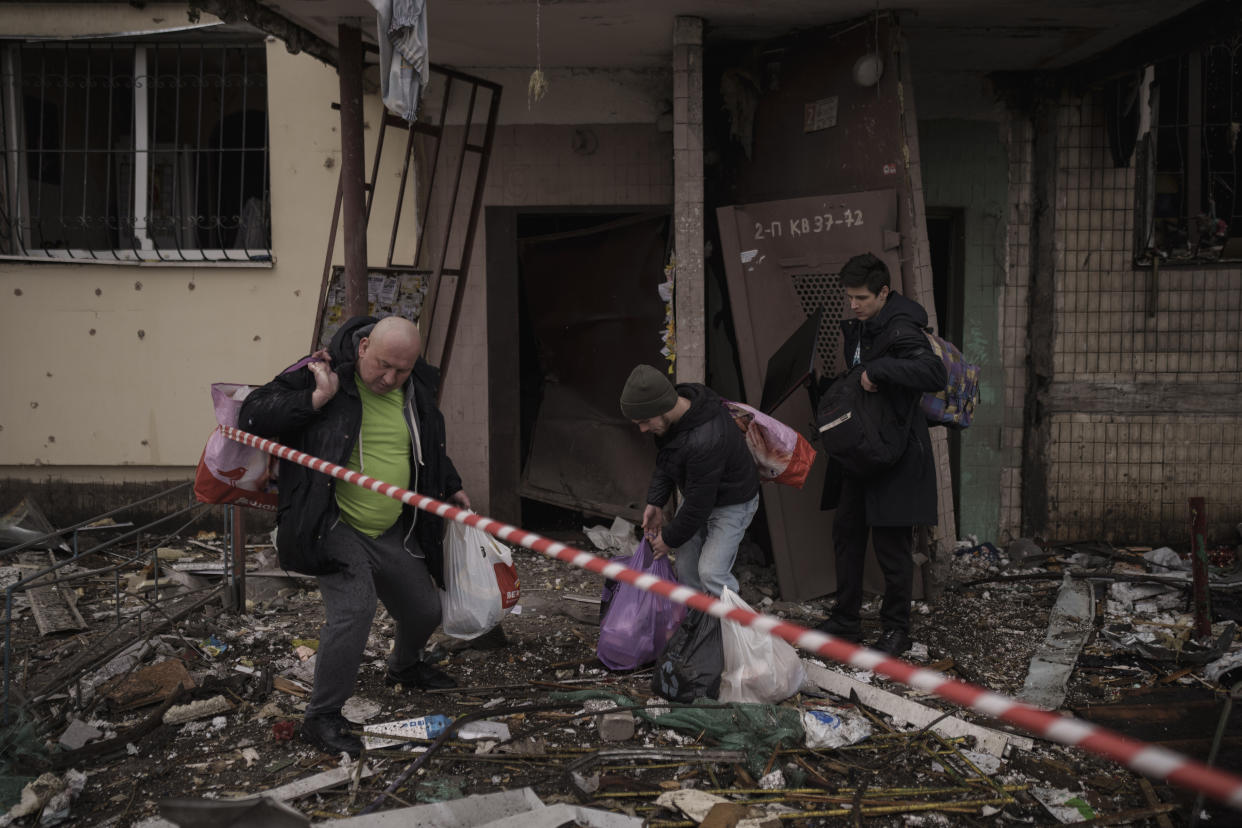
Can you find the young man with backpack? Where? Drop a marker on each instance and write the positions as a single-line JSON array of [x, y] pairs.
[[887, 340]]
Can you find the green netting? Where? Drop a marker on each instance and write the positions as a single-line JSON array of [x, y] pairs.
[[756, 729]]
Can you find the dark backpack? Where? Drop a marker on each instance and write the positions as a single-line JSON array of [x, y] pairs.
[[862, 430]]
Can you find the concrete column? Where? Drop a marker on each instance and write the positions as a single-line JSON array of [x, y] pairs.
[[353, 176], [688, 197]]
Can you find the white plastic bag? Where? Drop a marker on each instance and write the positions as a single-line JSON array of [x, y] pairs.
[[757, 667], [474, 600]]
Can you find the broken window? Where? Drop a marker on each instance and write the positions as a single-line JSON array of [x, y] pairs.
[[135, 151], [1189, 207]]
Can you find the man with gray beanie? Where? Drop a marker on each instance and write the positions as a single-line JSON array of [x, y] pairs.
[[701, 452]]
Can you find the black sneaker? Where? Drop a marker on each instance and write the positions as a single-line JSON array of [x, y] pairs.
[[421, 676], [493, 639], [330, 732], [893, 642], [840, 629]]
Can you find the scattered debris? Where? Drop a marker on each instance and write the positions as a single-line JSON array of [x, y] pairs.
[[314, 784], [203, 709], [1068, 628], [536, 719], [911, 712], [147, 686]]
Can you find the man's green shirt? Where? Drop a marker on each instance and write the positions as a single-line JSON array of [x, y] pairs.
[[382, 451]]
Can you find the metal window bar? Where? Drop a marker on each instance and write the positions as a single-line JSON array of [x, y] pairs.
[[1194, 210], [458, 231], [182, 143]]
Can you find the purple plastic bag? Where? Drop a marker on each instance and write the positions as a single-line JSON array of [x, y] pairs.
[[635, 625]]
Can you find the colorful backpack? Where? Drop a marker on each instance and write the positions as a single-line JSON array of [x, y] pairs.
[[953, 407]]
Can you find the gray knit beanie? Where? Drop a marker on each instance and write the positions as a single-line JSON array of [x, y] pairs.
[[647, 393]]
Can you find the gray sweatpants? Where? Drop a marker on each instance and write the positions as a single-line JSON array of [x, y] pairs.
[[374, 568]]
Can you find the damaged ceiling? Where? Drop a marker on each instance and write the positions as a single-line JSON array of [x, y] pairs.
[[1007, 35]]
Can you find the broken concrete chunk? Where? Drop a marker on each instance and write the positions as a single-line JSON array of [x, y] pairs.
[[1165, 558], [616, 726], [498, 731], [480, 810], [308, 785], [1069, 626], [694, 804], [150, 685], [205, 708], [77, 734], [773, 781]]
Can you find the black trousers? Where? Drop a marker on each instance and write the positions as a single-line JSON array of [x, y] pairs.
[[894, 551]]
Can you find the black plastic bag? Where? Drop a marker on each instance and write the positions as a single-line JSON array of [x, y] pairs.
[[691, 664]]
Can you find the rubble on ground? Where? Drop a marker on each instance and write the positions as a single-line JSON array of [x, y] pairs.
[[165, 709]]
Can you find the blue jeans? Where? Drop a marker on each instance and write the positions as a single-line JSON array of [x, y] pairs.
[[705, 562]]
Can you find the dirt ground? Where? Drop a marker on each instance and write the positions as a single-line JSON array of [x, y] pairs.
[[981, 632]]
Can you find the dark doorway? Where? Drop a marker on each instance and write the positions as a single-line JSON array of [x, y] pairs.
[[946, 240], [583, 307]]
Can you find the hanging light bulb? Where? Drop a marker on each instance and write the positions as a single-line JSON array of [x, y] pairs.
[[868, 69]]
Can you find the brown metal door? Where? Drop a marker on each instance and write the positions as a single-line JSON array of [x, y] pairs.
[[782, 259]]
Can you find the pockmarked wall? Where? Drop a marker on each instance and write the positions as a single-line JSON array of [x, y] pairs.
[[113, 363]]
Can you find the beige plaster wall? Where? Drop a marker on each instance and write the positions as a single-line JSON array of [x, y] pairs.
[[112, 365], [125, 405]]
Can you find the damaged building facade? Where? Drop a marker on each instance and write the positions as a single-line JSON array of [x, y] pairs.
[[1059, 193]]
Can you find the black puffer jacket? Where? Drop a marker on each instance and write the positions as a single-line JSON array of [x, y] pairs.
[[704, 454], [899, 360], [282, 410]]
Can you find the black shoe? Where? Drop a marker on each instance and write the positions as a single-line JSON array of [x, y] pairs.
[[330, 733], [493, 639], [421, 676], [893, 642], [840, 629]]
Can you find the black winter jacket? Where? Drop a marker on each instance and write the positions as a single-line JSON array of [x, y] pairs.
[[704, 454], [307, 510], [899, 360]]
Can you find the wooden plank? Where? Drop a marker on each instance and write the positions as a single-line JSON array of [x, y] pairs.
[[54, 611], [1052, 664], [1219, 398], [987, 740], [307, 785]]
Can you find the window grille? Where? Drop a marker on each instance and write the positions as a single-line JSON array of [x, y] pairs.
[[135, 152], [1191, 210]]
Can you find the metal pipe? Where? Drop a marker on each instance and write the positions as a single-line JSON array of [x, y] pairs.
[[353, 185], [237, 553], [1199, 567]]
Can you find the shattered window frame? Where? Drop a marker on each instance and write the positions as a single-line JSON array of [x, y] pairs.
[[1189, 206], [195, 186]]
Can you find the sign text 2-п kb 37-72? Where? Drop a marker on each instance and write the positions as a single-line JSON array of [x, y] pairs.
[[805, 225]]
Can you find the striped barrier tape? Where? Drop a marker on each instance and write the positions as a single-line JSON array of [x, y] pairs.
[[1150, 760]]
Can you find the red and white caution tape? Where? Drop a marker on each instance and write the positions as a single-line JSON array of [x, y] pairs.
[[1149, 760]]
